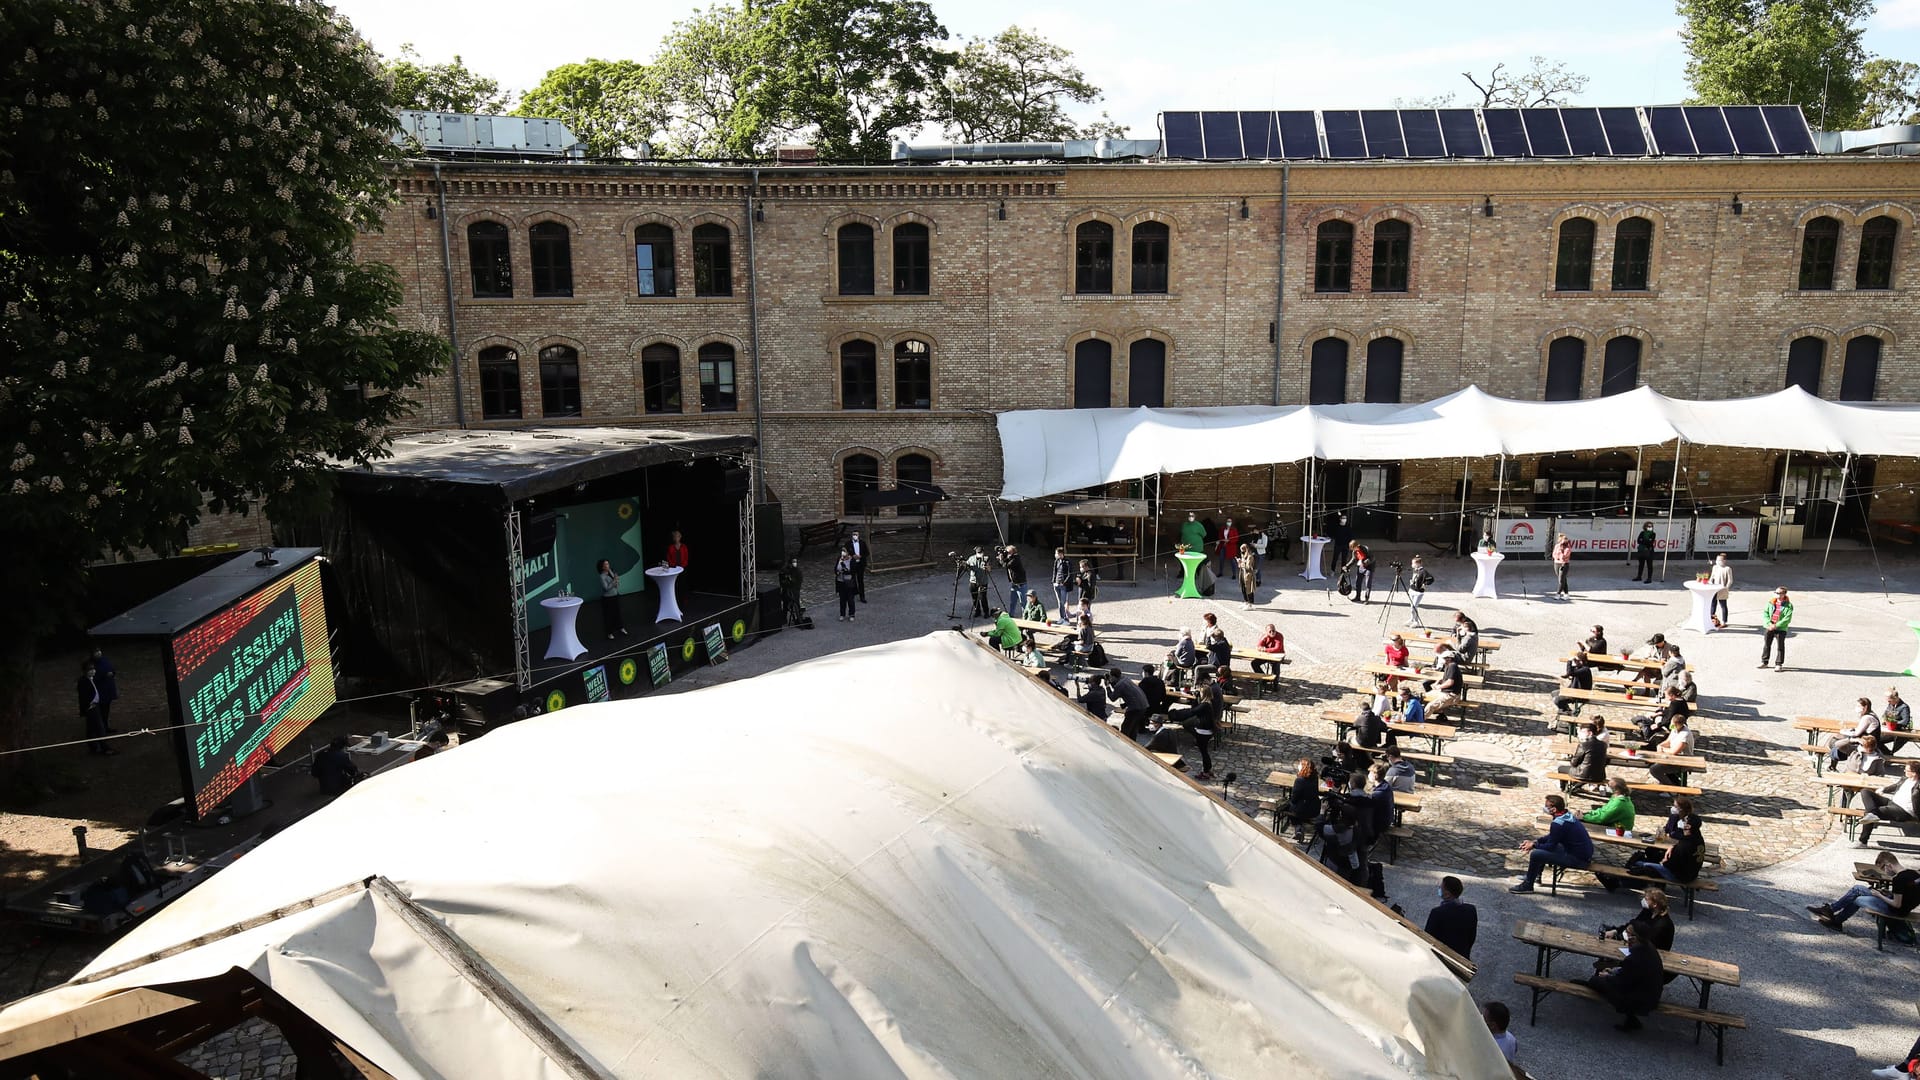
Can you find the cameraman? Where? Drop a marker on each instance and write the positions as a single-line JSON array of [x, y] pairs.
[[978, 571], [1016, 577]]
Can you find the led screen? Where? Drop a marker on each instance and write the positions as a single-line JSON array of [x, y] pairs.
[[250, 679]]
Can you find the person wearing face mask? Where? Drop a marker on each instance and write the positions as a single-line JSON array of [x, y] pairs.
[[1653, 922], [1633, 986], [1567, 843], [1682, 861], [1453, 922]]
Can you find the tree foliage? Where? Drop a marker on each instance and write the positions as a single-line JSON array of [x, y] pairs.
[[707, 77], [1544, 83], [1014, 87], [185, 322], [448, 87], [853, 74], [1890, 92], [1773, 52], [612, 105]]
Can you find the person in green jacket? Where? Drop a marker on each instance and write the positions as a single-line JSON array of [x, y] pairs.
[[1194, 535], [1777, 618], [1616, 812], [1643, 546], [1005, 634]]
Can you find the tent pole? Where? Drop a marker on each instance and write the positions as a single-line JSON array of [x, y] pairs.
[[1465, 465], [1159, 497], [1640, 477], [1780, 508], [1845, 469], [1500, 483], [1673, 501]]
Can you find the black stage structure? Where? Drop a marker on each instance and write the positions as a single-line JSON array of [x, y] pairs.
[[444, 550]]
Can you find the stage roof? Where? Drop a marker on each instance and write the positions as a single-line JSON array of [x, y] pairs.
[[508, 465], [904, 860], [180, 607]]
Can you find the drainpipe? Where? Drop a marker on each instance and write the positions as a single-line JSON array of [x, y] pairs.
[[753, 342], [1280, 290], [453, 326]]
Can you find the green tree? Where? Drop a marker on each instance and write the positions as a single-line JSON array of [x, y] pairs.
[[1544, 83], [853, 73], [612, 105], [1014, 87], [185, 323], [1775, 52], [448, 87], [706, 76], [1890, 92]]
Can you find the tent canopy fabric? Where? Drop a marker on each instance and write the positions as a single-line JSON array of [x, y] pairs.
[[907, 860], [1047, 451]]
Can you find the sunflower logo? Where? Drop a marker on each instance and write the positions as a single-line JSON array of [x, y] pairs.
[[628, 671], [686, 649], [625, 511], [739, 630], [556, 701]]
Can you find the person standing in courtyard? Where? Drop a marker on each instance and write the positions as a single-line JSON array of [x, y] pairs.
[[1229, 548], [1562, 560], [1722, 576], [843, 584], [1643, 552], [1259, 543], [106, 677], [1193, 534], [1086, 581], [1062, 581], [861, 552], [1247, 574], [1777, 620], [979, 574], [1360, 565], [610, 616], [1419, 580], [96, 726], [1016, 577]]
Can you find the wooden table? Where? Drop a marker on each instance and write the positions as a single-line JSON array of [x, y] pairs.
[[1418, 673], [1618, 755], [1256, 654], [1433, 638], [1437, 734], [1609, 697], [1404, 802], [1609, 660], [1046, 628], [1854, 782], [1630, 686], [1550, 941], [1816, 726]]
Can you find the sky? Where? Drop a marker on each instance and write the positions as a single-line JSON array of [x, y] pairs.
[[1150, 57]]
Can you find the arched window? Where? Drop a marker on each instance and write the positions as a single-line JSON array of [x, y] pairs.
[[660, 379], [1333, 257], [1092, 374], [1818, 244], [859, 474], [912, 375], [1385, 356], [1632, 255], [913, 472], [1151, 240], [1573, 261], [1566, 369], [559, 381], [717, 393], [499, 383], [552, 253], [712, 260], [1805, 357], [1327, 370], [1876, 253], [859, 382], [856, 259], [653, 259], [912, 260], [489, 253], [1860, 371], [1147, 373], [1392, 256], [1620, 366], [1093, 258]]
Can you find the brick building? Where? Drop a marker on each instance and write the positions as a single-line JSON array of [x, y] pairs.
[[868, 323]]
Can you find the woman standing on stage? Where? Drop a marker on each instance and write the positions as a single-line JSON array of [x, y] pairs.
[[610, 601]]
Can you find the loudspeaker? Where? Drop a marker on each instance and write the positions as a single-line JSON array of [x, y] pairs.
[[770, 619], [736, 482], [769, 535]]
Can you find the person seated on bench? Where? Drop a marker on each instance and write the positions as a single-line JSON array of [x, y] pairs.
[[1674, 667], [1588, 765], [1841, 743], [1654, 920], [1566, 844], [1219, 650], [1466, 635], [1155, 689], [1036, 610], [1654, 649], [1004, 636], [1681, 809], [1895, 802], [1369, 733], [1681, 863], [1132, 701], [1897, 717], [1866, 760], [1341, 847], [1596, 640], [1094, 697], [1896, 897], [1578, 676], [1398, 771], [1270, 642], [1449, 689], [1497, 1017], [1303, 799], [1679, 743], [1396, 651], [1616, 812], [1380, 797], [1029, 653], [1182, 660], [1451, 922], [1412, 709], [1384, 699], [1633, 986]]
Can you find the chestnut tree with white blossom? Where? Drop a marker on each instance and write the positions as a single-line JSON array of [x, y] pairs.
[[186, 328]]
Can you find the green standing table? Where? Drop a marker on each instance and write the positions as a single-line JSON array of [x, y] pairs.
[[1913, 667], [1190, 561]]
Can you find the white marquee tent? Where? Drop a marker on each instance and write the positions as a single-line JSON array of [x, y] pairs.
[[908, 860], [1054, 450]]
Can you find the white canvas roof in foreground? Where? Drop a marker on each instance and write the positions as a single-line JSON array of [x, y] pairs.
[[907, 860], [1047, 451]]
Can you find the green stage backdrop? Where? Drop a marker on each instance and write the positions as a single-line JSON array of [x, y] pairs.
[[580, 537]]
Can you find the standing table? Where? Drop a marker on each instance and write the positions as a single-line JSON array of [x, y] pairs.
[[1487, 567], [1315, 545], [563, 612], [1701, 617], [1914, 666], [1190, 562], [664, 577]]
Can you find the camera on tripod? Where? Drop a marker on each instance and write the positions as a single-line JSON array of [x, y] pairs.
[[1397, 567]]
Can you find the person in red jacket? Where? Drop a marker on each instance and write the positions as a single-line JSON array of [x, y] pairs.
[[1229, 548], [676, 551]]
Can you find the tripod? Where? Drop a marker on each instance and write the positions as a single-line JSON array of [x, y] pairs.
[[960, 569], [1397, 587]]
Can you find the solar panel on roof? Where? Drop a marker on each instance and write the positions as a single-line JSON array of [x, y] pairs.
[[1624, 135], [1505, 134], [1221, 132], [1180, 135], [1422, 129], [1299, 135], [1585, 136], [1258, 135], [1383, 133], [1749, 129], [1670, 135], [1789, 127], [1544, 133], [1462, 132], [1344, 138], [1710, 133]]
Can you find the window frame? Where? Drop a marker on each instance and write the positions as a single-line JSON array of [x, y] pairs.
[[663, 277], [1333, 256], [499, 378], [907, 260], [1092, 393], [1136, 363], [1393, 253], [555, 385], [1577, 357], [712, 259], [1150, 269], [1614, 370], [1093, 258], [661, 396], [1819, 254], [1851, 375], [543, 238], [905, 356], [1573, 255], [709, 358], [1883, 255], [1370, 391], [494, 249], [849, 353], [847, 241], [1632, 255]]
